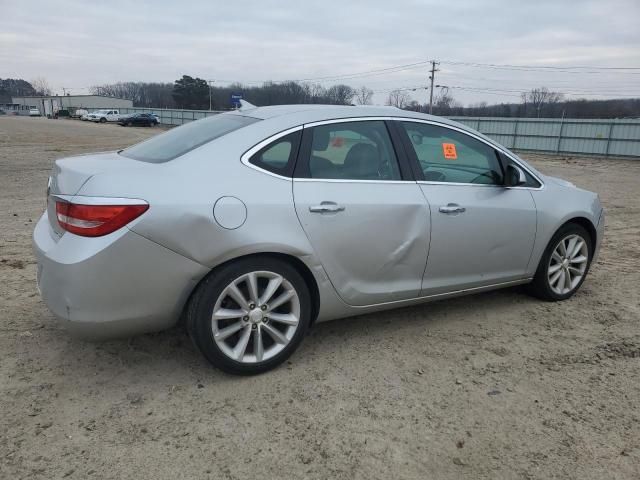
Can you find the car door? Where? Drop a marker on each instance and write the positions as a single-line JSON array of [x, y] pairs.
[[482, 233], [364, 214]]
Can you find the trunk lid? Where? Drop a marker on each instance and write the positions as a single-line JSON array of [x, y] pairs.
[[71, 173]]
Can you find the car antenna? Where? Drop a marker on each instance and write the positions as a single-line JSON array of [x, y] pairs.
[[244, 105]]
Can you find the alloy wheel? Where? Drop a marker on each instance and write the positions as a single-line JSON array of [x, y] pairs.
[[255, 317], [568, 264]]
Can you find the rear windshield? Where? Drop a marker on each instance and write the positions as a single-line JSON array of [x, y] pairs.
[[180, 140]]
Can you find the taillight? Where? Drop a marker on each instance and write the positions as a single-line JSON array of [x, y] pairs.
[[96, 220]]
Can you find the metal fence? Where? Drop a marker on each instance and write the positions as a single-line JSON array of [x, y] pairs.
[[169, 116], [606, 137]]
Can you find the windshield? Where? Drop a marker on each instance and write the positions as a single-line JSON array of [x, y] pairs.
[[180, 140]]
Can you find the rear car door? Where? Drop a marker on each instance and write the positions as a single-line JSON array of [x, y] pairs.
[[363, 212], [482, 233]]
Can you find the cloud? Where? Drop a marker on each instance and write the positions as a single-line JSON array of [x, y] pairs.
[[78, 44]]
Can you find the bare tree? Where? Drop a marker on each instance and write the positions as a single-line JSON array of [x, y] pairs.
[[41, 86], [444, 102], [539, 97], [364, 95], [398, 98], [444, 99], [414, 106], [340, 94]]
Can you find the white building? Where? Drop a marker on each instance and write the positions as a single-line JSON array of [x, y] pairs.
[[51, 104]]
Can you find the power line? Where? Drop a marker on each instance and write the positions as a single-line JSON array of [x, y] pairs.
[[517, 93], [579, 70], [408, 66], [549, 67]]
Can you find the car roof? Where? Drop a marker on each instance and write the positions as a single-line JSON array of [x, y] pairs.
[[307, 113]]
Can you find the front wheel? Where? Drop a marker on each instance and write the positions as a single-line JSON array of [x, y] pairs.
[[564, 264], [103, 120], [250, 316]]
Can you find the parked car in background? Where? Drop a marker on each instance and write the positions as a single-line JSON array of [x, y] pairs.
[[79, 113], [252, 225], [138, 120], [34, 112], [104, 116]]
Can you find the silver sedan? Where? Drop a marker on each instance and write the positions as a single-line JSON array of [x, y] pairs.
[[249, 226]]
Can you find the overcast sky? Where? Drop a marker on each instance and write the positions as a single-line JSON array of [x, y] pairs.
[[77, 44]]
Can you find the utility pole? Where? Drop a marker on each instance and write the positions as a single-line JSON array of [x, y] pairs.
[[432, 78], [210, 82]]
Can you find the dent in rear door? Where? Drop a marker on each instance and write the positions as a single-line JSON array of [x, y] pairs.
[[375, 250]]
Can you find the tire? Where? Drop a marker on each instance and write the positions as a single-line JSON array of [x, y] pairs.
[[129, 124], [103, 120], [543, 285], [226, 352]]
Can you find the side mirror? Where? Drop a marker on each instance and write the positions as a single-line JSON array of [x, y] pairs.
[[514, 176]]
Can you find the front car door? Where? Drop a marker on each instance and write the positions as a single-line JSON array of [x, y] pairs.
[[364, 214], [482, 233]]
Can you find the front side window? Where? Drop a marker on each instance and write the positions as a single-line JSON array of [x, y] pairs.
[[446, 155], [352, 151], [180, 140], [279, 156]]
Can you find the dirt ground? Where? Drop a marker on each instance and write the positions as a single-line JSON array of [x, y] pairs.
[[497, 385]]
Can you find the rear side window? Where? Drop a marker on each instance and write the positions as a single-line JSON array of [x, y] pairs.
[[447, 155], [279, 156], [180, 140], [352, 151]]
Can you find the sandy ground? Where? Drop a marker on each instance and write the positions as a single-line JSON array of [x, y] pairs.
[[497, 385]]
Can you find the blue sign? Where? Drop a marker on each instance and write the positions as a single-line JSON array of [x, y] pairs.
[[235, 99]]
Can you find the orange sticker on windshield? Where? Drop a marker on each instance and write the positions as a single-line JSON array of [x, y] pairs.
[[449, 150]]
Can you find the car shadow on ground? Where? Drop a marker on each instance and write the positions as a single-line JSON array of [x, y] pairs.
[[170, 356]]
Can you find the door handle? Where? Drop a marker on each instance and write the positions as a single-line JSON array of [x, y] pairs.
[[326, 207], [452, 208]]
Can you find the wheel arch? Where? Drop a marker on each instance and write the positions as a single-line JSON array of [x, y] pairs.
[[295, 262], [587, 225]]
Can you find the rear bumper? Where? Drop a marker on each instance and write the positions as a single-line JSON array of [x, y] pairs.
[[112, 286]]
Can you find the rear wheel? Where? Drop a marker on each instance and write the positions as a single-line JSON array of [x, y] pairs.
[[564, 264], [250, 316]]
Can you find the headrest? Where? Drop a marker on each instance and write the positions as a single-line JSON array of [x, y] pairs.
[[320, 139], [362, 161]]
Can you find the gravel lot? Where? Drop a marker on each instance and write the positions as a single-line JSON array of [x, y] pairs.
[[496, 385]]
